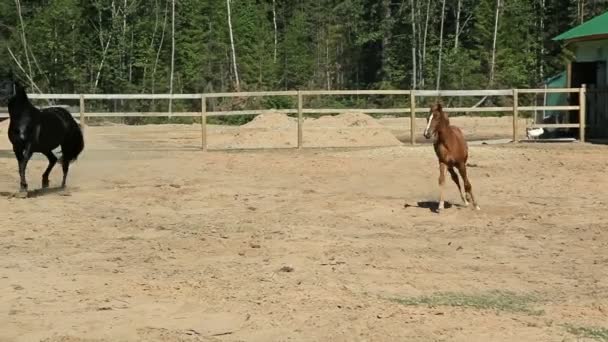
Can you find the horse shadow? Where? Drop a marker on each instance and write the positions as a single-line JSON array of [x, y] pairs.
[[36, 193]]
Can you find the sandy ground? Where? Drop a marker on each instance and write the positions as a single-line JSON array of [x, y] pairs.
[[155, 242], [277, 130]]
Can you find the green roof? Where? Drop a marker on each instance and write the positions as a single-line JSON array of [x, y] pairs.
[[595, 26]]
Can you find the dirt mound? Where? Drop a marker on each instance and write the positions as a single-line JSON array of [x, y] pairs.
[[346, 120], [347, 129], [270, 130], [271, 120]]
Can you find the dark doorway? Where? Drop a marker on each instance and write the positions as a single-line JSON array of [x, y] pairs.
[[586, 73]]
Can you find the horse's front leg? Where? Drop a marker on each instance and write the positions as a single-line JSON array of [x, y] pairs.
[[442, 170], [23, 157]]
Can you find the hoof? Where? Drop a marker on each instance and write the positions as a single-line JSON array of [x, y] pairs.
[[477, 207], [45, 184]]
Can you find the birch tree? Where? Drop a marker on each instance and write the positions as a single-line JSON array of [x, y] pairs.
[[493, 61], [232, 48], [413, 20], [440, 45], [274, 22], [172, 57]]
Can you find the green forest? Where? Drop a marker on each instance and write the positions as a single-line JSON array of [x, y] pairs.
[[194, 46]]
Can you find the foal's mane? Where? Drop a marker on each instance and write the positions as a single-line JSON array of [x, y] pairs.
[[442, 116]]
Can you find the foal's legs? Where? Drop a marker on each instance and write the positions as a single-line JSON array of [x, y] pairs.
[[442, 168], [457, 181], [467, 185], [52, 161]]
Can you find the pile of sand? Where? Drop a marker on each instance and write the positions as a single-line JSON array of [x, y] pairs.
[[272, 130], [271, 120], [345, 120], [347, 129]]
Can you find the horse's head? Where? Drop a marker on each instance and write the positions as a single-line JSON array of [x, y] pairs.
[[18, 99], [7, 90], [11, 90], [436, 116]]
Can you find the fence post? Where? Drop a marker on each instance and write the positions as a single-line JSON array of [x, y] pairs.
[[300, 120], [204, 122], [582, 111], [515, 114], [82, 113], [412, 117]]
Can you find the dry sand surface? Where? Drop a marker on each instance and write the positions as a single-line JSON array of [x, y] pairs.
[[154, 242], [276, 130]]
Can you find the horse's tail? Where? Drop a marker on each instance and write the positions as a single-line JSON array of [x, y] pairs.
[[73, 144]]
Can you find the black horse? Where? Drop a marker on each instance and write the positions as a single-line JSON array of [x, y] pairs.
[[33, 130]]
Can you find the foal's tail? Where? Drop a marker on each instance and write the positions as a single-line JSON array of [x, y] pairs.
[[73, 144]]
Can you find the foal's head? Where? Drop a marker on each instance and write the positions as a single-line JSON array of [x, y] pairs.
[[436, 117]]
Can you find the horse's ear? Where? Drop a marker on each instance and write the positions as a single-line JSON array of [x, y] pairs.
[[19, 89]]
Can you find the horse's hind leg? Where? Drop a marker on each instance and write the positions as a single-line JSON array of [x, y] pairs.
[[468, 188], [457, 181], [66, 166], [45, 176]]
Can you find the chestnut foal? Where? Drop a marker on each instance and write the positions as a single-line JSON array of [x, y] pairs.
[[451, 150]]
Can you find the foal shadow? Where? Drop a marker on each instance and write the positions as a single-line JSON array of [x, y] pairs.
[[434, 205]]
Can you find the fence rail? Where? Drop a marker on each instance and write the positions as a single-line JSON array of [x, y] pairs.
[[300, 110]]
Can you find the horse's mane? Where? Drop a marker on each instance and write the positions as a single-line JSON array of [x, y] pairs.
[[19, 102]]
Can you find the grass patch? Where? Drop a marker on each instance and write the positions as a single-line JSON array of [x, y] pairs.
[[494, 300], [596, 333]]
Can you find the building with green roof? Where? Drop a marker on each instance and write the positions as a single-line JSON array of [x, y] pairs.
[[589, 44]]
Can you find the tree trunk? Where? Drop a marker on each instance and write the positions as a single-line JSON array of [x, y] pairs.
[[327, 66], [103, 60], [160, 46], [426, 30], [413, 19], [236, 72], [24, 41], [457, 31], [440, 45], [274, 21], [147, 60], [123, 42], [541, 68], [493, 61], [386, 39], [22, 69], [172, 57]]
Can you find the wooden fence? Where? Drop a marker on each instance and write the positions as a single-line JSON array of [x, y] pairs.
[[300, 110]]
